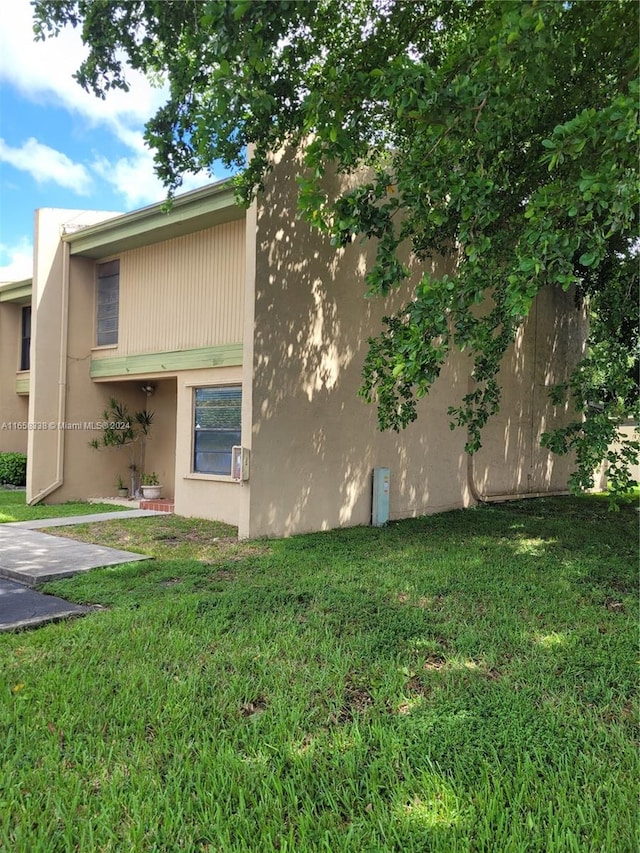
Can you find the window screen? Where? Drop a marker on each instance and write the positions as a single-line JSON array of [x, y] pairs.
[[216, 428], [26, 338], [108, 300]]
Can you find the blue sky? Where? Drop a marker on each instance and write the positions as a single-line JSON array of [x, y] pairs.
[[60, 146]]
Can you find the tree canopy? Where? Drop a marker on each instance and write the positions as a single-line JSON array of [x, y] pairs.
[[502, 133]]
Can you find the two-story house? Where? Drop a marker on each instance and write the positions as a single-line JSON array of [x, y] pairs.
[[247, 329]]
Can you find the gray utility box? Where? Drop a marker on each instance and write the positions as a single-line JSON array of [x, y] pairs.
[[380, 502]]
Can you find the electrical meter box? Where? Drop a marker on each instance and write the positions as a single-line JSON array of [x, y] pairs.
[[240, 463], [380, 503]]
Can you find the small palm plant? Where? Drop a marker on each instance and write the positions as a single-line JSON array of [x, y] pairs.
[[123, 429]]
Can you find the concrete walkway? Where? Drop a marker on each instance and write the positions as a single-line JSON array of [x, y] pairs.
[[82, 519], [28, 557]]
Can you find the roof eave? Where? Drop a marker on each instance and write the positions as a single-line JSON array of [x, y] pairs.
[[17, 291], [190, 212]]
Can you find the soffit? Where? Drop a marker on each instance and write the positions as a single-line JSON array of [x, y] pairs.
[[190, 212], [18, 292]]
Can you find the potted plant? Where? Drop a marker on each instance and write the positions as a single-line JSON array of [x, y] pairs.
[[151, 488], [123, 491]]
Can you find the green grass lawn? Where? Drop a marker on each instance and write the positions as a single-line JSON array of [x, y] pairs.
[[13, 508], [464, 682]]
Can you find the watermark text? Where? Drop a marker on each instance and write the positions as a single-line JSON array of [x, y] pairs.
[[52, 426]]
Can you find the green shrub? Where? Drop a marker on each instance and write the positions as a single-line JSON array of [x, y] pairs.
[[13, 469]]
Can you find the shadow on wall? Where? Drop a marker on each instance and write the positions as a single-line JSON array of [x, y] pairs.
[[546, 348], [315, 442]]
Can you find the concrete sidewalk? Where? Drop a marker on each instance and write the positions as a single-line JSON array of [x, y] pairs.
[[33, 558], [28, 557], [82, 519]]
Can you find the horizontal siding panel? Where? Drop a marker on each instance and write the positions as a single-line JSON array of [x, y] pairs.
[[228, 355], [184, 293], [22, 383]]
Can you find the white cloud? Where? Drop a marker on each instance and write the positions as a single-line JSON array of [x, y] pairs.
[[45, 165], [42, 72], [134, 178], [16, 262]]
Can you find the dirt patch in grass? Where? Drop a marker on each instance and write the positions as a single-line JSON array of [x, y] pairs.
[[434, 661], [222, 575], [172, 537], [435, 602], [357, 700], [416, 691], [416, 687], [254, 707], [492, 674]]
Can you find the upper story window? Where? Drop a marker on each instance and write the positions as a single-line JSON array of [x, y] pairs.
[[108, 300], [25, 340], [216, 428]]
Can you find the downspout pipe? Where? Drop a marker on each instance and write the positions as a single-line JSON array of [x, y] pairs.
[[62, 380]]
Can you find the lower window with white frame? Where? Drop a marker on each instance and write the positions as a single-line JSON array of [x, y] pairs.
[[217, 416]]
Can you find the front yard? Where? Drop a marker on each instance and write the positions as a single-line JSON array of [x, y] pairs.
[[464, 682]]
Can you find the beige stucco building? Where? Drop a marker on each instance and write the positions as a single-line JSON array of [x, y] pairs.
[[15, 348], [246, 328]]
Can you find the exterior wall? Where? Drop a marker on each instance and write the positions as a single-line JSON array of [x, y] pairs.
[[202, 495], [511, 460], [88, 472], [50, 360], [286, 316], [314, 443], [13, 406], [160, 455], [629, 431], [48, 341], [181, 294], [248, 350]]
